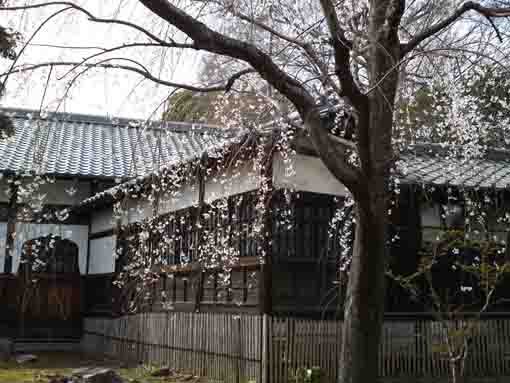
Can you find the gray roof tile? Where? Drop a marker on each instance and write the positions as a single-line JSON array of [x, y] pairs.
[[81, 145], [434, 169]]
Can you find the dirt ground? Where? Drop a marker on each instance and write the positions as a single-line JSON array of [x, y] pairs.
[[63, 363]]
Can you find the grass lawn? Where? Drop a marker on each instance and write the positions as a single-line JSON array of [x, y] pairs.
[[63, 363]]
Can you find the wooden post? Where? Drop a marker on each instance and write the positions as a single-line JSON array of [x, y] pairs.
[[12, 211], [239, 348], [265, 287], [266, 275], [265, 353], [198, 220]]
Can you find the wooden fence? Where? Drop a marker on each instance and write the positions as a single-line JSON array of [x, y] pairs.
[[225, 348], [243, 348]]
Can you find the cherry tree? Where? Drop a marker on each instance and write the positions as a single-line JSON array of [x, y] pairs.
[[365, 58], [8, 41], [476, 269]]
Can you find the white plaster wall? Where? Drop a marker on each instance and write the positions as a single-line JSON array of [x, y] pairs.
[[101, 220], [102, 255], [226, 183], [138, 210], [309, 174], [3, 233], [231, 182], [76, 233], [185, 197]]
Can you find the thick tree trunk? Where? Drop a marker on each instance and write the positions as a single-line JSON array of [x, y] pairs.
[[364, 304]]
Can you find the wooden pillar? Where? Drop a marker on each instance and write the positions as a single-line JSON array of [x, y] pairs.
[[266, 274], [11, 225], [198, 223]]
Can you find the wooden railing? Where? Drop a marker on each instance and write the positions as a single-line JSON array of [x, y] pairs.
[[240, 348]]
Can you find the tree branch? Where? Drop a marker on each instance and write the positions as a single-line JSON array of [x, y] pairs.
[[143, 72], [307, 48], [54, 14], [70, 47], [132, 45], [90, 16], [332, 151], [487, 12], [215, 42], [342, 48]]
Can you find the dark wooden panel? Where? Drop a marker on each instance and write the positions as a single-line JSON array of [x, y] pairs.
[[99, 294], [8, 295]]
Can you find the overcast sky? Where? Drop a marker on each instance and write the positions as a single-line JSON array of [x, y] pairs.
[[99, 91]]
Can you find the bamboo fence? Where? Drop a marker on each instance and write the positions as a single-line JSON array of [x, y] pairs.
[[233, 348]]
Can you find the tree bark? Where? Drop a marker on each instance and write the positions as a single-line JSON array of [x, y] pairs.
[[364, 304]]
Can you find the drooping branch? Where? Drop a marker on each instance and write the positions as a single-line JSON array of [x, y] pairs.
[[306, 47], [204, 38], [141, 71], [90, 16], [214, 42], [48, 19], [487, 12], [70, 47], [125, 46]]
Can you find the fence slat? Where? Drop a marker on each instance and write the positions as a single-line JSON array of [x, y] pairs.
[[233, 348]]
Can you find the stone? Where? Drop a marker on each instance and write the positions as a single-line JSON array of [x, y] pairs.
[[96, 375], [164, 371], [25, 358], [59, 379], [6, 348]]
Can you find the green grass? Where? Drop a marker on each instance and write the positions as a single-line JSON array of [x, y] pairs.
[[63, 363]]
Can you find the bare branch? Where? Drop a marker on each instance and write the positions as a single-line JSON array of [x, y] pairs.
[[207, 39], [215, 42], [235, 77], [143, 72], [307, 48], [70, 47], [54, 14], [90, 16], [123, 46], [342, 48], [487, 12]]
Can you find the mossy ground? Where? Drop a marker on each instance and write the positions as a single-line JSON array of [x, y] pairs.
[[63, 363]]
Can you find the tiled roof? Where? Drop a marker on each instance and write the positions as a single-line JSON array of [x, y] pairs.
[[436, 168], [92, 146], [113, 193]]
